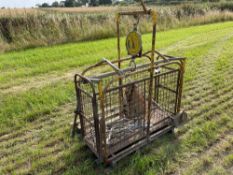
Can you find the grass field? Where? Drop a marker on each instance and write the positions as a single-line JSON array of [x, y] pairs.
[[25, 28], [37, 101]]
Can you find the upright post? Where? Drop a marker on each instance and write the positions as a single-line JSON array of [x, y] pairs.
[[118, 39], [102, 122], [78, 111], [119, 63], [153, 14], [181, 85]]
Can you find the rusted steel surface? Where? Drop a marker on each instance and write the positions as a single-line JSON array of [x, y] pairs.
[[109, 128], [125, 108]]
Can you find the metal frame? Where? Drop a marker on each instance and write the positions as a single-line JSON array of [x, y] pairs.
[[100, 99]]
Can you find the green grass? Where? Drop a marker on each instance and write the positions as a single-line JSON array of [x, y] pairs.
[[33, 103], [22, 29], [34, 62], [37, 101]]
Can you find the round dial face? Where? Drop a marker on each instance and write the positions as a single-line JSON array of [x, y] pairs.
[[133, 43]]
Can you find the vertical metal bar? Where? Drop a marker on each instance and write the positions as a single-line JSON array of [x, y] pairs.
[[151, 75], [177, 91], [163, 92], [81, 116], [119, 63], [96, 124], [78, 111], [102, 122], [171, 102], [144, 94], [168, 94], [118, 40], [174, 87], [156, 92], [181, 85], [74, 124]]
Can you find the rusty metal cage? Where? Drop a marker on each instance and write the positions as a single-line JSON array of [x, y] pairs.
[[107, 127], [123, 108]]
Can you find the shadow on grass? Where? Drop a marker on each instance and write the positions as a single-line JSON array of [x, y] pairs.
[[151, 159]]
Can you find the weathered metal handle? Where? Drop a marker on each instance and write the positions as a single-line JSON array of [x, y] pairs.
[[119, 71]]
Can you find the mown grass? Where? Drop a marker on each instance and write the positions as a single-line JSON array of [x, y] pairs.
[[27, 106], [29, 64], [34, 62], [35, 128]]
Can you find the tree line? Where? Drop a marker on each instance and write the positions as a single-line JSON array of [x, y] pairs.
[[78, 3], [75, 3]]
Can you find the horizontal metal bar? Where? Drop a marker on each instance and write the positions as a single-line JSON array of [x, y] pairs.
[[164, 87], [138, 145], [104, 75], [169, 68], [113, 61], [83, 91], [139, 81], [128, 58], [160, 124], [83, 78], [117, 70], [159, 133], [140, 134]]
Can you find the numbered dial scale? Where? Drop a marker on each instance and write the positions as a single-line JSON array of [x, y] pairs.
[[134, 43]]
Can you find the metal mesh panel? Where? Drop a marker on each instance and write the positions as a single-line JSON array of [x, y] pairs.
[[125, 115], [85, 99], [167, 85], [118, 118]]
